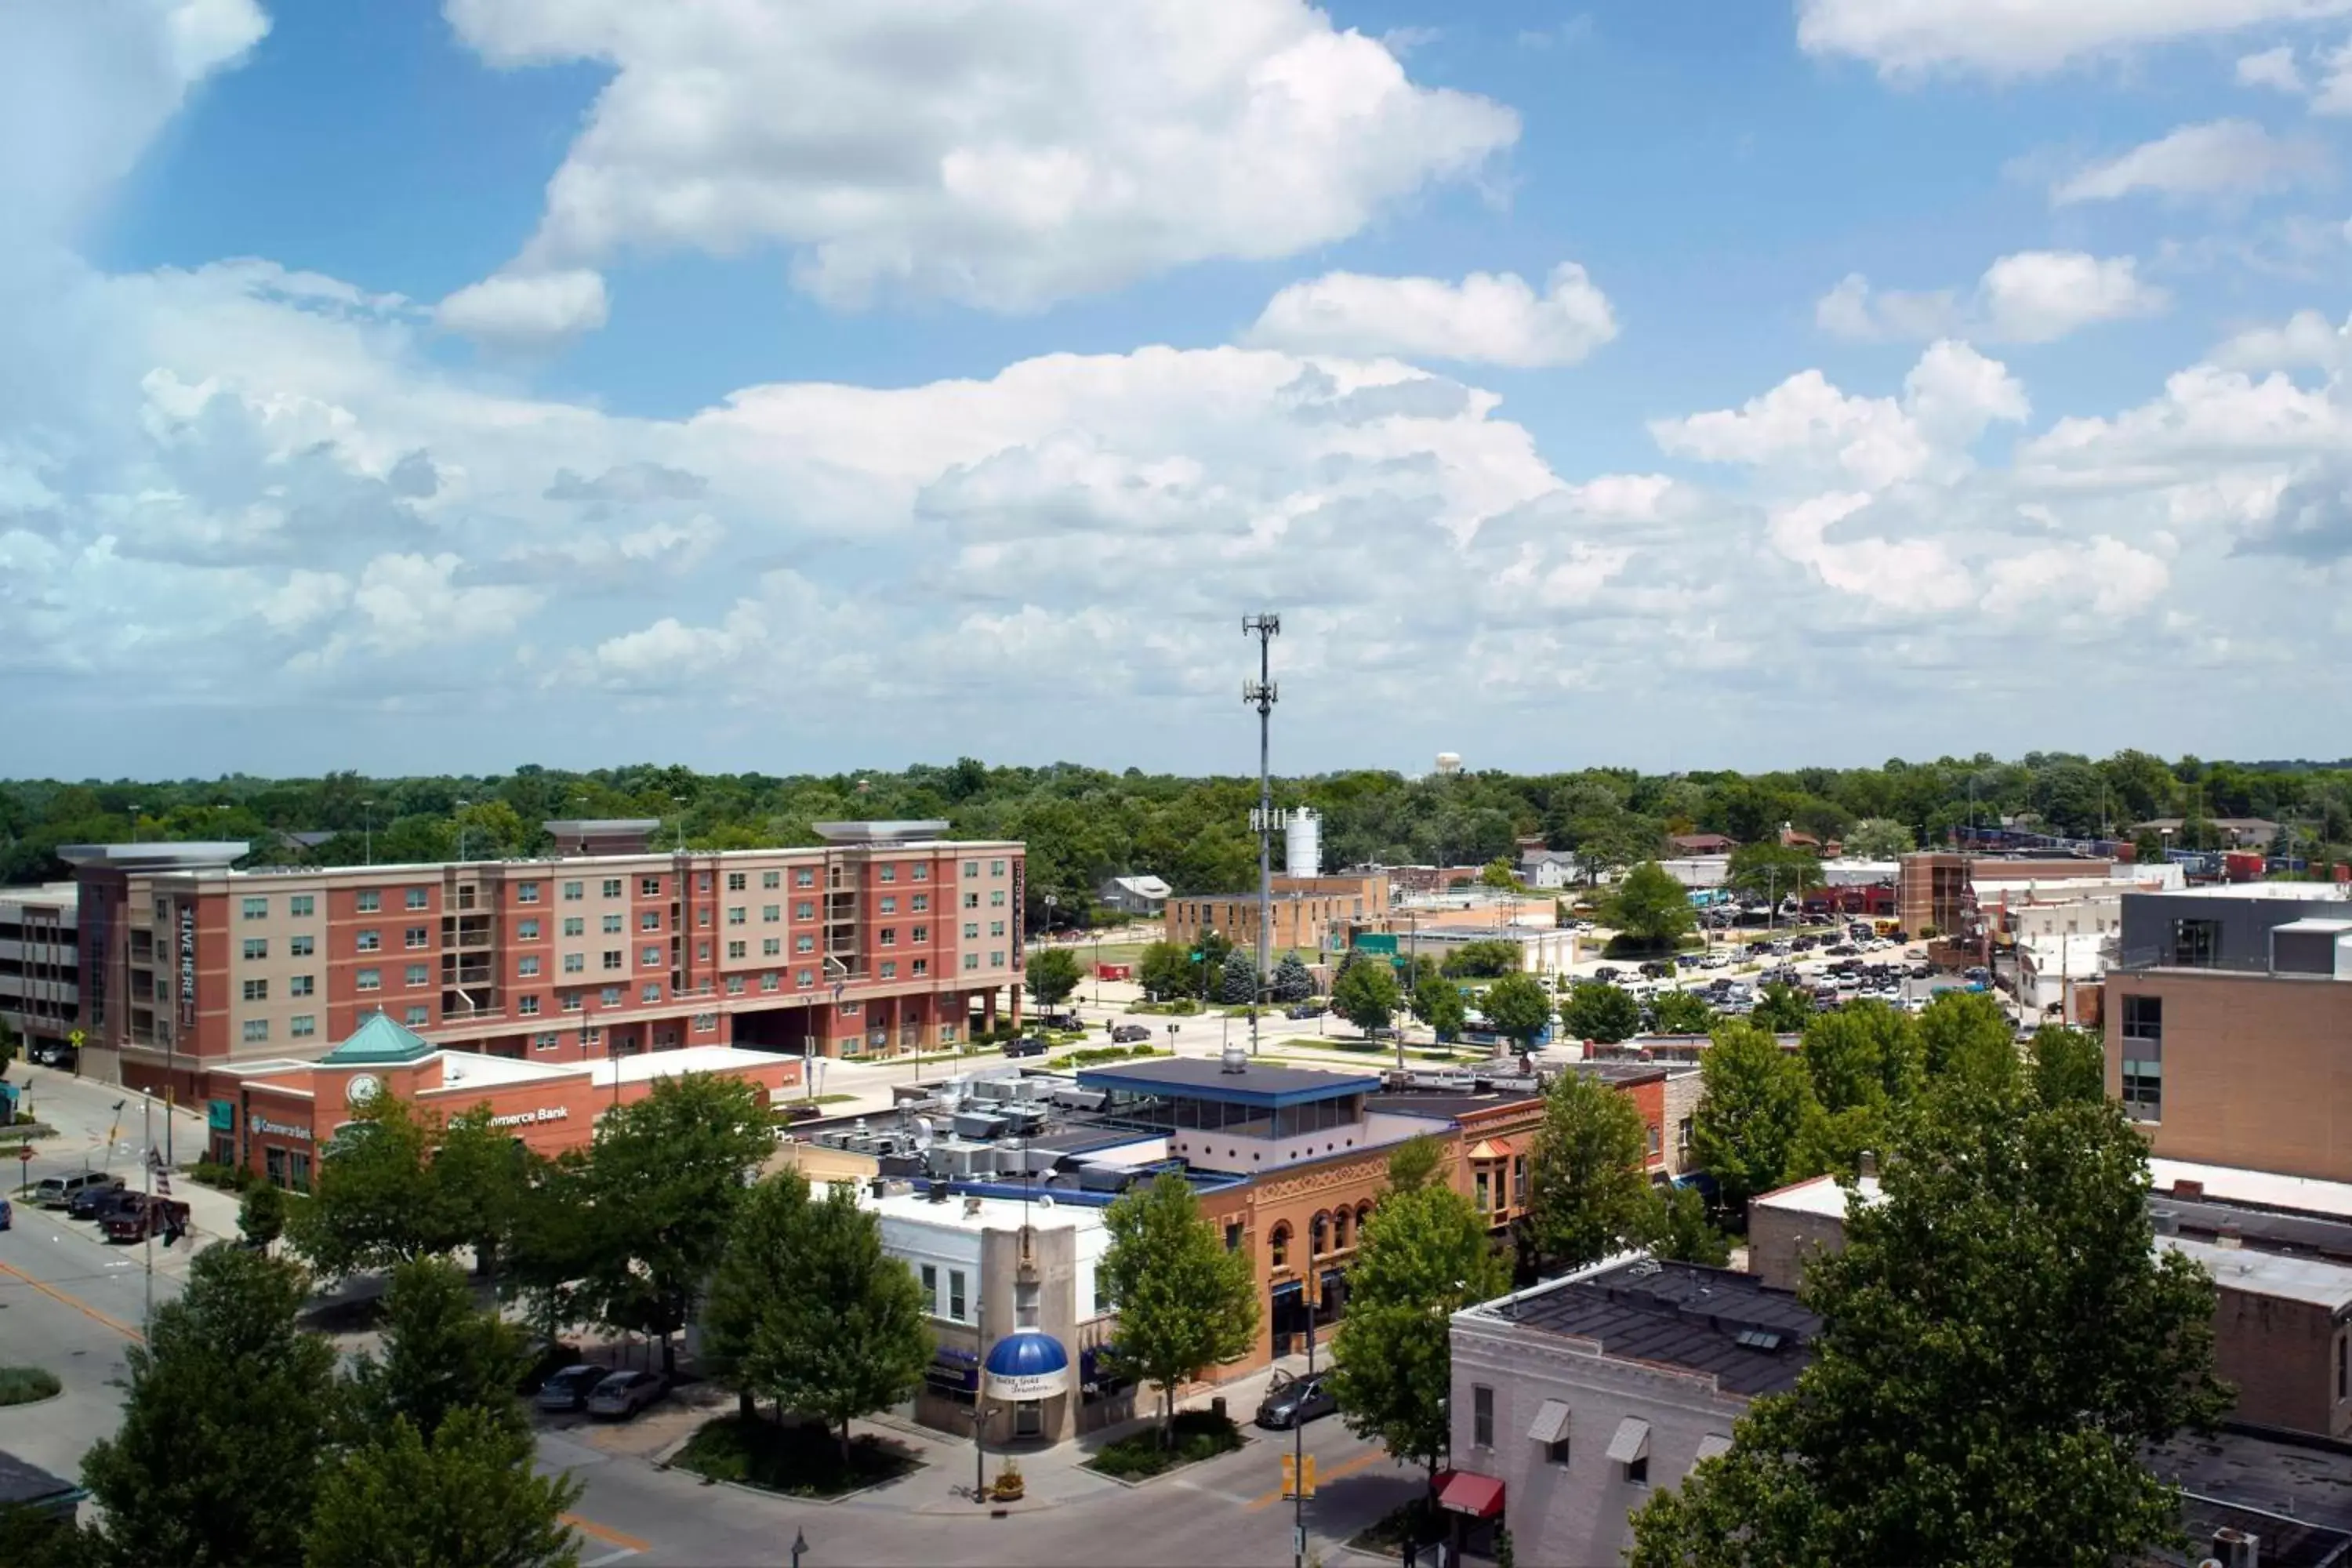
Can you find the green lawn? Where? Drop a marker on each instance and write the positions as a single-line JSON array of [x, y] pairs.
[[24, 1384], [798, 1462]]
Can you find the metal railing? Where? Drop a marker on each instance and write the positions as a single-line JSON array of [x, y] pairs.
[[2168, 957]]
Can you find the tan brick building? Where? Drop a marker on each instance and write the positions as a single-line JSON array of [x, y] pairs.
[[1310, 914]]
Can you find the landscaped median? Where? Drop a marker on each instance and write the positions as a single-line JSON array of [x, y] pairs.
[[792, 1459], [1197, 1434], [27, 1385]]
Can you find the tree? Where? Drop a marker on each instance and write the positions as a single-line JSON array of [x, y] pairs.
[[9, 1045], [1500, 875], [1605, 1014], [468, 1497], [1681, 1013], [849, 1334], [1676, 1227], [1237, 978], [375, 1205], [1782, 1008], [1773, 870], [1165, 970], [1649, 907], [665, 1175], [554, 1243], [1878, 839], [1366, 995], [2147, 847], [1967, 1033], [1483, 959], [2000, 1338], [1423, 1256], [1864, 1063], [441, 1353], [2068, 1065], [1746, 1129], [1185, 1302], [225, 1425], [1518, 1008], [1054, 973], [1437, 1002], [758, 1268], [261, 1215], [1292, 980], [1588, 1195], [479, 1173], [1415, 1163]]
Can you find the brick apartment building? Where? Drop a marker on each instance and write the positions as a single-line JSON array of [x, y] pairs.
[[885, 938], [1310, 914]]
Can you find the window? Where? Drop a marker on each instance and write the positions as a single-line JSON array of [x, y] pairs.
[[1556, 1451], [735, 881], [996, 898], [1486, 1199], [256, 947], [1482, 1417], [416, 975], [568, 1000], [300, 906], [889, 970], [1683, 1137], [972, 900], [1519, 1180], [256, 1030], [609, 997], [527, 1004], [771, 878], [771, 981], [955, 1295], [301, 985], [1637, 1470], [971, 930], [612, 925], [996, 927], [573, 962], [650, 957], [735, 985], [612, 887], [302, 1025], [947, 1034], [649, 886], [546, 1042], [922, 966], [996, 868], [650, 919], [1319, 1235], [527, 967], [418, 898], [889, 873], [972, 961], [1277, 1246], [417, 1016], [574, 891], [418, 936], [702, 881], [370, 940], [652, 993], [614, 957], [770, 946], [736, 914], [804, 910], [256, 989], [971, 869], [575, 925], [369, 900], [996, 959], [921, 873], [804, 978], [1233, 1236], [736, 949], [1340, 1231], [526, 892], [931, 1289], [2196, 945], [919, 903], [804, 943], [889, 906], [1657, 1141], [770, 914], [2143, 1058], [805, 877], [889, 936], [301, 946], [369, 980]]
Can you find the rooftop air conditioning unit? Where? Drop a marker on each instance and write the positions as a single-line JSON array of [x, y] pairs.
[[2237, 1548]]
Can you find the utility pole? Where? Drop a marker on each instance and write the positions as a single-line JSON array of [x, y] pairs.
[[1261, 694]]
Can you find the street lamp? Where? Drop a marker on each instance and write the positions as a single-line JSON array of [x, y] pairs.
[[799, 1545], [461, 828], [367, 831]]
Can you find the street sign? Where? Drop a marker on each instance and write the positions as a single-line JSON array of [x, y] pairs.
[[1298, 1541], [1290, 1476]]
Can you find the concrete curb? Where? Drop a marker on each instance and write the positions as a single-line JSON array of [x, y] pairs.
[[1169, 1473], [748, 1487]]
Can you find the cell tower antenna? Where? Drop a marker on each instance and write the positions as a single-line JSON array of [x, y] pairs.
[[1262, 695]]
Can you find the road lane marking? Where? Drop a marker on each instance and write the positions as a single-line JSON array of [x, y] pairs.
[[605, 1533], [1323, 1478], [84, 1308], [622, 1555]]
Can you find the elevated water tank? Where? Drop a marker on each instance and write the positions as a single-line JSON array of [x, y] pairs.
[[1303, 844], [1449, 762]]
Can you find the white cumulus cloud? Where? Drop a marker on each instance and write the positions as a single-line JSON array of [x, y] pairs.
[[2275, 68], [2220, 158], [1004, 153], [526, 310], [2031, 297], [1486, 318], [2024, 38]]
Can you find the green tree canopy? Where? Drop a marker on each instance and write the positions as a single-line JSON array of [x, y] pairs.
[[2001, 1340], [467, 1498], [1237, 978], [1293, 982], [441, 1353], [554, 1245], [1052, 973], [1483, 959], [376, 1202], [1772, 870], [261, 1214], [2068, 1065], [1681, 1013], [480, 1172], [1185, 1302], [225, 1424], [1423, 1256], [1165, 969], [1437, 1002], [1968, 1034], [1676, 1226], [1746, 1129], [1366, 995], [1518, 1006], [1878, 839], [1415, 1163], [1782, 1009], [1605, 1014], [1588, 1192], [1649, 907]]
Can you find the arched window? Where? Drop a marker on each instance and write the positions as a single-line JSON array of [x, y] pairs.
[[1339, 1229], [1363, 1213], [1278, 1246], [1319, 1233]]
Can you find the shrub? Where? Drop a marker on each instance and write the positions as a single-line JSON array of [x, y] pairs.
[[228, 1178], [23, 1384], [800, 1460], [1196, 1435]]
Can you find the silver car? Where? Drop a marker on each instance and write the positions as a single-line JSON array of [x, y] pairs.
[[624, 1394]]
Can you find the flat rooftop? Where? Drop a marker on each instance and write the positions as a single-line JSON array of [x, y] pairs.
[[1816, 1195], [1750, 1338], [964, 1213], [186, 856], [2314, 1281], [2259, 1189], [1205, 1078], [681, 1062], [2307, 892], [2300, 1490], [907, 832]]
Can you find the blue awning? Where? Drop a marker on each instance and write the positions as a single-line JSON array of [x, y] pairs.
[[1334, 1279], [1290, 1287], [1027, 1353]]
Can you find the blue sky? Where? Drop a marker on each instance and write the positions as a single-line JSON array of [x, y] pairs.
[[417, 386]]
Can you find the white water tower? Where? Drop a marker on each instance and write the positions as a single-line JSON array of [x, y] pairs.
[[1449, 763], [1302, 845]]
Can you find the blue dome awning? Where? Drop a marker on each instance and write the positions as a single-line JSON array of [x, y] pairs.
[[1027, 1365]]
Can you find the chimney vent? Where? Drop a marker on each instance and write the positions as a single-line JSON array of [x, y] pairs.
[[2183, 1187], [1235, 1059]]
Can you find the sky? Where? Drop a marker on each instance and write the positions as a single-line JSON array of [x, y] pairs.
[[785, 385]]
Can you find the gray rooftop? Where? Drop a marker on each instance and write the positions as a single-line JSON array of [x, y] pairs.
[[1752, 1338], [2302, 1488], [1205, 1078], [878, 832], [187, 856]]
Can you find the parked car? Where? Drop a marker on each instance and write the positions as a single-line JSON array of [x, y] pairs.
[[1606, 973], [1129, 1034], [1026, 1046], [1305, 1010], [623, 1394], [7, 1214], [570, 1388], [1922, 971], [139, 1215], [1293, 1400], [57, 1192], [93, 1202], [1060, 1021]]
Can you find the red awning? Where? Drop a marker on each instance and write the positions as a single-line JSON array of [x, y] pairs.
[[1492, 1149], [1480, 1496]]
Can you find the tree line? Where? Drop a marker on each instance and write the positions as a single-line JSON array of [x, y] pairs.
[[1083, 825]]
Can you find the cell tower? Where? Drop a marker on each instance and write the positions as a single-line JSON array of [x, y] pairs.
[[1262, 695]]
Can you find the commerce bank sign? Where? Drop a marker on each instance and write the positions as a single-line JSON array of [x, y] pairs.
[[527, 1118]]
